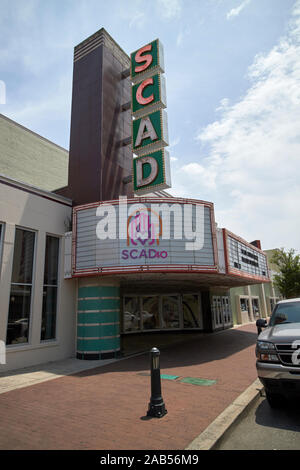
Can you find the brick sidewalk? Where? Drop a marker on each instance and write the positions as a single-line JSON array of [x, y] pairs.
[[105, 408]]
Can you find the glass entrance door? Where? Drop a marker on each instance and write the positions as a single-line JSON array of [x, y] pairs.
[[255, 308], [131, 314], [191, 310], [159, 312], [221, 311], [227, 314], [150, 313], [245, 311], [170, 311]]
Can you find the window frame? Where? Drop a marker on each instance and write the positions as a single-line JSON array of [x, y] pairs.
[[2, 235], [32, 284], [57, 286]]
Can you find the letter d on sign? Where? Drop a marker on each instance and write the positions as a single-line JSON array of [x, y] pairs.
[[2, 353], [153, 166], [151, 172]]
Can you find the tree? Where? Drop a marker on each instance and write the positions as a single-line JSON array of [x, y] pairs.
[[288, 278]]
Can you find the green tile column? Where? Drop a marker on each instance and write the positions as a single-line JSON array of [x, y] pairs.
[[98, 322]]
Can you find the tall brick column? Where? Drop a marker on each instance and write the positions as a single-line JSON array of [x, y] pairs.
[[100, 137]]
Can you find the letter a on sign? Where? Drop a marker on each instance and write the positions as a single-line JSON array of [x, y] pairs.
[[150, 132], [146, 130]]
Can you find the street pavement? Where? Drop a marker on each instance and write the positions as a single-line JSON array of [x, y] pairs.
[[105, 407], [264, 428]]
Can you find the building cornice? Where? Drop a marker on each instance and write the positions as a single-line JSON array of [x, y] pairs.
[[35, 191], [97, 39]]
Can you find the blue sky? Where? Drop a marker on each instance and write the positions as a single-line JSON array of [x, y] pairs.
[[232, 74]]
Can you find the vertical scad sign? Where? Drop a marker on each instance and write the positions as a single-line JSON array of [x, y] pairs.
[[151, 165]]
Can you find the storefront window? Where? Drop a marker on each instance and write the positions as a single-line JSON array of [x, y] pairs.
[[170, 311], [21, 288], [244, 305], [48, 329], [150, 312], [190, 308], [131, 314]]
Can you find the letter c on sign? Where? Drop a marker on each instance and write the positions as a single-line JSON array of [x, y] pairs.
[[131, 254], [139, 92], [140, 58]]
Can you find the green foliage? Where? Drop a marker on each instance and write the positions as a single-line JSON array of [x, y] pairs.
[[288, 278]]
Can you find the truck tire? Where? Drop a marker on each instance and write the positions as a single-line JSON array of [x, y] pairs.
[[274, 400]]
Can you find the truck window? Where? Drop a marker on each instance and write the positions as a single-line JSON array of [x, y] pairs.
[[286, 313]]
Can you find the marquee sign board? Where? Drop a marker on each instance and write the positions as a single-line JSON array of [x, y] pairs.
[[244, 259], [149, 236], [149, 126]]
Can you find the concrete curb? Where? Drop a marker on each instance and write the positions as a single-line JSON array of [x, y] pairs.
[[216, 430]]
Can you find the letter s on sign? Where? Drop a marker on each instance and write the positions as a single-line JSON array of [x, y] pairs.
[[143, 58], [139, 92]]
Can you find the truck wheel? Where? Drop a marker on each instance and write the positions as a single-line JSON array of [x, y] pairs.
[[274, 400]]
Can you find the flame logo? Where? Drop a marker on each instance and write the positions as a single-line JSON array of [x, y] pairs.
[[144, 227]]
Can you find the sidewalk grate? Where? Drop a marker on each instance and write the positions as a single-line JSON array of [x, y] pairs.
[[196, 381], [187, 380], [163, 376], [169, 377]]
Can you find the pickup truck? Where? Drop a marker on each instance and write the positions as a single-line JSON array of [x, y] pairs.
[[278, 352]]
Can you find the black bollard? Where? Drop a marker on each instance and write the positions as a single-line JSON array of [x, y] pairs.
[[156, 406]]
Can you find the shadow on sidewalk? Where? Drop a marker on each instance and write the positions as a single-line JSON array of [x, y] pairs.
[[180, 349], [190, 351]]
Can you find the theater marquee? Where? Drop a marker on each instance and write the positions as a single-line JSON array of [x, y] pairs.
[[244, 259], [161, 235]]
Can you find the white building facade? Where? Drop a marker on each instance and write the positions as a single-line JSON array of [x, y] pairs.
[[37, 321]]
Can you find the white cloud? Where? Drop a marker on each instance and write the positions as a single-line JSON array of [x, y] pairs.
[[252, 166], [174, 142], [224, 103], [182, 36], [137, 20], [197, 173], [179, 39], [170, 9], [236, 11]]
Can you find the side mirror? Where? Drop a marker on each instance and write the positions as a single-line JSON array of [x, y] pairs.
[[261, 323]]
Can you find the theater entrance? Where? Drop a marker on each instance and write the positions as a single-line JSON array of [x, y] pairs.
[[158, 320]]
